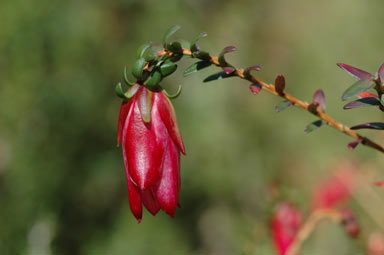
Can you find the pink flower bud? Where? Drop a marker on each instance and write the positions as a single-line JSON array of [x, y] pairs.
[[285, 225], [151, 143]]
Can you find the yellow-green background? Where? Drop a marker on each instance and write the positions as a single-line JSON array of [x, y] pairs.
[[62, 183]]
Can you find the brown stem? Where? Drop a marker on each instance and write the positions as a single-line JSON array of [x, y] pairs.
[[296, 102], [309, 226]]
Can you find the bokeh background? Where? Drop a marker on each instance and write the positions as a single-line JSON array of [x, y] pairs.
[[62, 183]]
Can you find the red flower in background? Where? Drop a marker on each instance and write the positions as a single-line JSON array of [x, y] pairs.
[[336, 189], [151, 144], [285, 225]]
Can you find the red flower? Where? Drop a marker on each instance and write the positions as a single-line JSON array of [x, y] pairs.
[[337, 189], [151, 144], [285, 224]]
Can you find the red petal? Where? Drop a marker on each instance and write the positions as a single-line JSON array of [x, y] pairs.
[[122, 117], [168, 115], [150, 201], [167, 192], [134, 195], [357, 73], [145, 147]]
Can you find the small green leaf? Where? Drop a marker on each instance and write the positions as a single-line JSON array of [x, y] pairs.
[[132, 91], [194, 47], [198, 37], [167, 68], [142, 49], [150, 55], [357, 88], [282, 105], [153, 79], [169, 33], [203, 55], [138, 67], [175, 47], [119, 91], [196, 67], [178, 92], [218, 76], [125, 77], [313, 126]]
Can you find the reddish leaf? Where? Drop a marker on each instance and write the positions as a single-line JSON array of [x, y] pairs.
[[228, 70], [381, 73], [226, 50], [356, 73], [319, 98], [255, 88], [366, 94], [280, 84], [352, 145], [371, 125], [363, 102]]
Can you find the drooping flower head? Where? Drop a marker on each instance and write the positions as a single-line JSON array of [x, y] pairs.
[[151, 143]]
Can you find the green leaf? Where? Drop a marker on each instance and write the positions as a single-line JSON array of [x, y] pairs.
[[282, 105], [203, 55], [150, 55], [196, 67], [175, 47], [142, 49], [357, 88], [218, 76], [153, 79], [132, 91], [138, 67], [198, 37], [194, 47], [169, 33], [119, 91], [125, 77], [167, 68], [313, 126]]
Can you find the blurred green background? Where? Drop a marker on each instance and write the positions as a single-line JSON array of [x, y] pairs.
[[62, 182]]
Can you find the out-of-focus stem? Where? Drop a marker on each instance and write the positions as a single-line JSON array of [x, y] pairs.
[[310, 225]]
